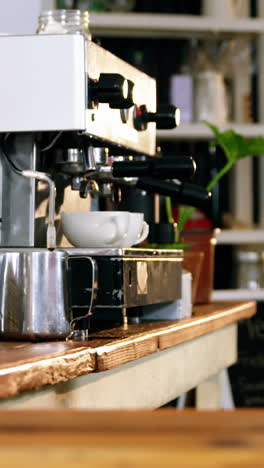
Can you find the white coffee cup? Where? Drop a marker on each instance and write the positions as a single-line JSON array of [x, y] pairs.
[[100, 229], [137, 232]]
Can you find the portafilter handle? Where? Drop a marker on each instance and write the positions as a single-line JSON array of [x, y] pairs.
[[186, 194], [180, 167]]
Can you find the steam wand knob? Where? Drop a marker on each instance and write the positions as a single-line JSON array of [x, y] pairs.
[[167, 117]]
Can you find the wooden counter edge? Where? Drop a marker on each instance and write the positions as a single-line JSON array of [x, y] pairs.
[[28, 376], [32, 375], [201, 325]]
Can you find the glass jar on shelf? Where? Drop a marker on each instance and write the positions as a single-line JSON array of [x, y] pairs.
[[249, 269], [121, 6], [64, 22], [87, 5]]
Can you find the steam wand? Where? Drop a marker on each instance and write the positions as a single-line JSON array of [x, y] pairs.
[[31, 174], [51, 230]]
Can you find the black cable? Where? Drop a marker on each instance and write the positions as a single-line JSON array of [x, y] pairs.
[[12, 164], [52, 142], [5, 153]]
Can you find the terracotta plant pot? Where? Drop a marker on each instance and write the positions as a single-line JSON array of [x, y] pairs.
[[192, 262], [203, 241]]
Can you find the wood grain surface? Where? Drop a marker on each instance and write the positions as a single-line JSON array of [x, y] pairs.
[[207, 318], [27, 366], [163, 438]]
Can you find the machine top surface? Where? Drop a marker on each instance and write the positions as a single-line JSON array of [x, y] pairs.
[[99, 252], [125, 252], [60, 82]]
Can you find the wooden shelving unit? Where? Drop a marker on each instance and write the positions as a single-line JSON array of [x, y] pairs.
[[237, 237], [162, 25], [238, 294], [199, 131]]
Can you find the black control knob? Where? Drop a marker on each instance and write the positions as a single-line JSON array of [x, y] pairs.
[[113, 89], [130, 101], [166, 117]]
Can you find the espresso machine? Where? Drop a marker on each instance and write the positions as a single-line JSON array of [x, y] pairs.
[[77, 120]]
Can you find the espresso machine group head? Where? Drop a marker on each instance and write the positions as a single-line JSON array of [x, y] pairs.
[[75, 116]]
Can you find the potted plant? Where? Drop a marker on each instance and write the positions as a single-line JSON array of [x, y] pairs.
[[235, 147]]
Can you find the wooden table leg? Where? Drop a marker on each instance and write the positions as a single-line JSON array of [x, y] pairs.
[[215, 393]]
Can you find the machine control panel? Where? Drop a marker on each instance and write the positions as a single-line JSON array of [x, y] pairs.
[[113, 89], [79, 87], [120, 89]]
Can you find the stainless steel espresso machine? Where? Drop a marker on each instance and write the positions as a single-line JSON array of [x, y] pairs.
[[75, 119]]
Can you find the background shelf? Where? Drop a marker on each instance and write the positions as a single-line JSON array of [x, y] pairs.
[[163, 25], [238, 295], [199, 131], [232, 236]]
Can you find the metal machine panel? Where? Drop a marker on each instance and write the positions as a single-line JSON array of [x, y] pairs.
[[130, 277], [116, 125], [44, 87], [42, 83]]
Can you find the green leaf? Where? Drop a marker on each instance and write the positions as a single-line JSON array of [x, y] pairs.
[[254, 147], [168, 206], [176, 245], [235, 146], [184, 214]]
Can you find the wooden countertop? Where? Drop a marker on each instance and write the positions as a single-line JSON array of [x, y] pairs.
[[114, 439], [28, 366]]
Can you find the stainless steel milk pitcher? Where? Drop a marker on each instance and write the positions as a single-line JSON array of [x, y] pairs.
[[34, 294], [37, 301]]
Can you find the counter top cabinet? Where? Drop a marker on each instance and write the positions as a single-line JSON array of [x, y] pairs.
[[143, 366]]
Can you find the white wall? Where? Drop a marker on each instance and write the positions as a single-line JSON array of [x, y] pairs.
[[21, 16]]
